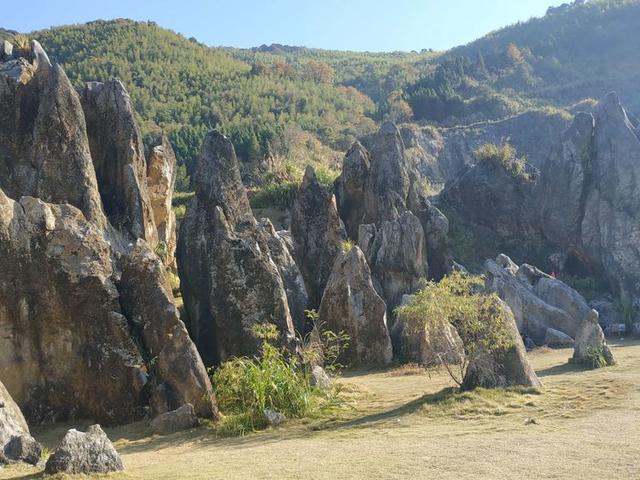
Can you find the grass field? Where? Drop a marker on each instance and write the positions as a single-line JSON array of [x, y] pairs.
[[405, 423]]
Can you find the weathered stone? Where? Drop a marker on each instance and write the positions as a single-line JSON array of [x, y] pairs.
[[351, 304], [182, 418], [556, 338], [274, 418], [397, 256], [429, 346], [161, 179], [317, 233], [503, 368], [608, 314], [319, 378], [230, 282], [350, 188], [178, 375], [534, 315], [291, 277], [84, 453], [118, 156], [61, 313], [16, 443], [6, 50], [23, 448], [44, 151], [589, 340]]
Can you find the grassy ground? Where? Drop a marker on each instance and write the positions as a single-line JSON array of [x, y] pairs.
[[407, 424]]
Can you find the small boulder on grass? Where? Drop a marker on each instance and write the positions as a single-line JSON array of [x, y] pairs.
[[84, 453], [274, 418], [319, 378], [591, 347], [179, 419], [23, 448]]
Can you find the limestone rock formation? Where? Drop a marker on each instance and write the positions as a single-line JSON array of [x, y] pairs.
[[176, 420], [351, 304], [590, 197], [44, 151], [556, 338], [230, 282], [118, 157], [84, 453], [505, 368], [16, 443], [70, 346], [396, 252], [161, 179], [61, 311], [317, 233], [350, 188], [589, 340], [545, 303], [290, 273], [178, 374]]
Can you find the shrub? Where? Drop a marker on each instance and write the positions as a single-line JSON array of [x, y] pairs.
[[503, 157], [478, 318], [596, 357], [323, 346], [347, 245], [245, 387], [280, 195]]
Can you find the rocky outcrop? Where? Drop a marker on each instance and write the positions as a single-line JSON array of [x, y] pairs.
[[44, 151], [61, 311], [72, 344], [538, 301], [505, 367], [396, 252], [351, 304], [230, 282], [558, 339], [290, 273], [590, 198], [590, 342], [118, 157], [84, 453], [317, 233], [350, 188], [161, 179], [178, 375], [16, 443], [182, 418]]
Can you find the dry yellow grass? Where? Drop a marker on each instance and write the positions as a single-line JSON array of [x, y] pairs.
[[583, 424]]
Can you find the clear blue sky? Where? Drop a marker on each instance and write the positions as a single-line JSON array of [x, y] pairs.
[[373, 25]]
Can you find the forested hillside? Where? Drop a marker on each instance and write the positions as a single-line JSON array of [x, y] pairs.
[[285, 106]]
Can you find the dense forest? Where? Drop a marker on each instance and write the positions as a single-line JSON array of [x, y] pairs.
[[292, 105]]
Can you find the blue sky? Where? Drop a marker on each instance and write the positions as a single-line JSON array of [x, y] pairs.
[[373, 25]]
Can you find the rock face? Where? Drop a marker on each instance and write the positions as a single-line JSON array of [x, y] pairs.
[[590, 338], [538, 301], [161, 179], [179, 376], [397, 255], [60, 308], [505, 368], [16, 443], [71, 344], [351, 304], [590, 198], [182, 418], [317, 233], [230, 282], [84, 453], [118, 157], [350, 188], [44, 151], [556, 338]]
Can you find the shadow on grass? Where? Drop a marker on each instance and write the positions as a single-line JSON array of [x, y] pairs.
[[563, 369]]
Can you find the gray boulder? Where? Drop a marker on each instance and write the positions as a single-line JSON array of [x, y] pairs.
[[317, 233], [590, 339], [350, 188], [558, 339], [319, 378], [350, 304], [23, 448], [182, 418], [16, 443], [84, 453]]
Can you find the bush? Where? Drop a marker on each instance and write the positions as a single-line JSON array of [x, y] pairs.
[[280, 195], [322, 346], [503, 157], [478, 318], [274, 380], [596, 357]]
